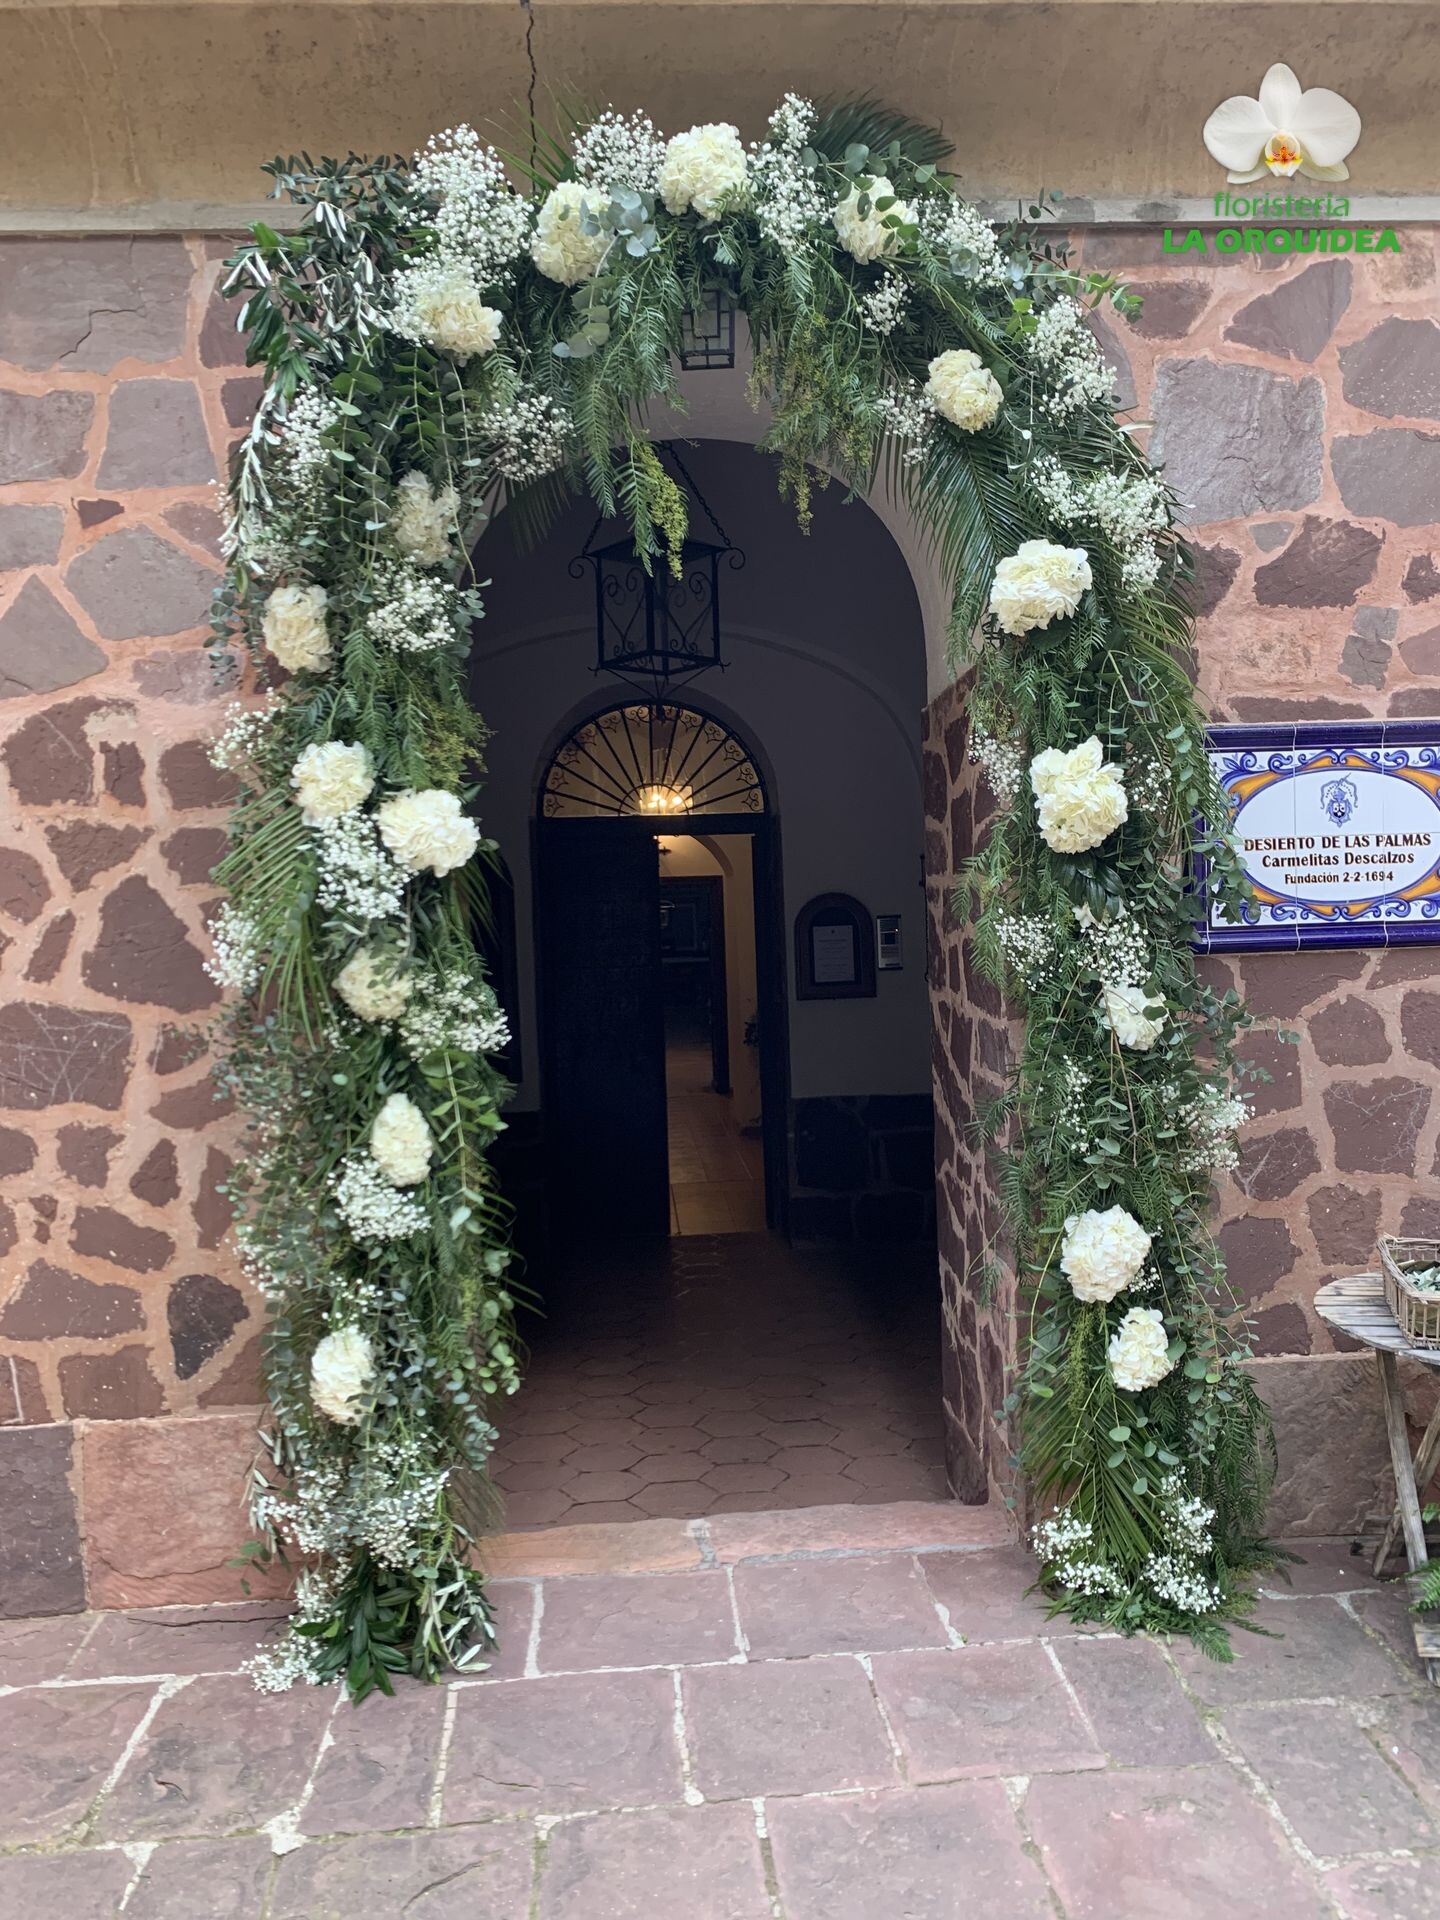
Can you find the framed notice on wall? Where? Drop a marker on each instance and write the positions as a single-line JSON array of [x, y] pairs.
[[1338, 827], [834, 949]]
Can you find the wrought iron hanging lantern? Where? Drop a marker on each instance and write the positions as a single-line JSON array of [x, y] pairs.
[[653, 628]]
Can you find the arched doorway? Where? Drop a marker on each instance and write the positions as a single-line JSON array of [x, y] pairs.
[[672, 1380], [625, 948]]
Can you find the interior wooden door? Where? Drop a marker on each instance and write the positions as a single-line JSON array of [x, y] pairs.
[[602, 1028]]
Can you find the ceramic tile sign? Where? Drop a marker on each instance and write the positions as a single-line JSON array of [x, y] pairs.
[[1338, 825]]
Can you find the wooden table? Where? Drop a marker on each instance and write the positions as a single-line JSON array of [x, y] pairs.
[[1357, 1306]]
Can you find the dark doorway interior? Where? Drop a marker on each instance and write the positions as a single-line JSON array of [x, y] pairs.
[[662, 1028]]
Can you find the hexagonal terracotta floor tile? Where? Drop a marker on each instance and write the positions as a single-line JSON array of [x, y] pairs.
[[658, 1468]]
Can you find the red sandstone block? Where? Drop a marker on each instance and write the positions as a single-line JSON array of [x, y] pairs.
[[635, 1620], [481, 1873], [566, 1745], [982, 1710], [785, 1726], [702, 1863], [944, 1853], [1177, 1841], [379, 1772], [56, 1747], [648, 1546], [909, 1525], [850, 1604], [162, 1511], [219, 1757]]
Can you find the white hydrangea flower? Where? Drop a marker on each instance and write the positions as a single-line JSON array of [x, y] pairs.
[[1139, 1350], [1126, 1011], [332, 777], [1038, 583], [427, 832], [294, 630], [341, 1368], [1102, 1252], [704, 170], [561, 248], [865, 237], [1079, 796], [424, 519], [438, 302], [964, 390], [400, 1142], [373, 986]]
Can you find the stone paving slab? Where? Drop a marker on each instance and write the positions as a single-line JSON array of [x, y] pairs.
[[808, 1725]]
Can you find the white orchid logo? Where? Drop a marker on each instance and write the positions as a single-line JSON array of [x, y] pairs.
[[1285, 131]]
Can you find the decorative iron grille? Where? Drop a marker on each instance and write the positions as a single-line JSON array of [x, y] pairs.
[[707, 334], [655, 759]]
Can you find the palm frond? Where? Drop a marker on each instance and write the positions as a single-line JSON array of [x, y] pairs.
[[867, 122]]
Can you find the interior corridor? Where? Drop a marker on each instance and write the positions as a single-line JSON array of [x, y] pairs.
[[717, 1171], [723, 1374]]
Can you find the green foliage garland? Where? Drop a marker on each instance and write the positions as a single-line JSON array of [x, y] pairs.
[[439, 346]]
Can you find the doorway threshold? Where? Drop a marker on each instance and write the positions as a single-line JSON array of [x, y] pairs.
[[681, 1546]]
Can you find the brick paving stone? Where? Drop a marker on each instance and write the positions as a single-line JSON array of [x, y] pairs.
[[163, 1640], [749, 1477], [801, 1433], [1331, 1784], [905, 1525], [672, 1467], [378, 1773], [221, 1879], [611, 1459], [565, 1745], [1386, 1889], [681, 1499], [586, 1487], [652, 1440], [479, 1873], [603, 1513], [982, 1710], [785, 1726], [692, 1863], [539, 1509], [56, 1747], [218, 1757], [734, 1452], [1320, 1566], [548, 1446], [1141, 1715], [1188, 1843], [644, 1546], [635, 1620], [985, 1595], [513, 1602], [932, 1853], [36, 1650], [845, 1605], [1385, 1611], [64, 1886], [1407, 1732], [1311, 1649]]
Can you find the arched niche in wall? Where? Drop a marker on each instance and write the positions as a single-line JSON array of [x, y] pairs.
[[834, 949]]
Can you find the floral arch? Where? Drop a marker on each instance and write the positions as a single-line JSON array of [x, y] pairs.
[[440, 343]]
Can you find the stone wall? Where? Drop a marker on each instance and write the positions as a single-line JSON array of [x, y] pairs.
[[1297, 409], [1298, 406], [861, 1169], [119, 1302]]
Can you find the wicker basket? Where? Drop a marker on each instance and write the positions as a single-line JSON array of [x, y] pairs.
[[1417, 1311]]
